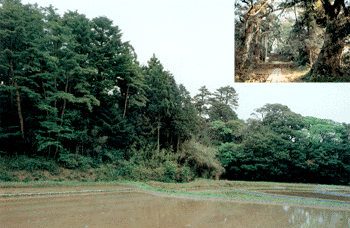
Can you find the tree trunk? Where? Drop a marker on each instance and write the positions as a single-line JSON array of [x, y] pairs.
[[256, 44], [126, 101], [311, 57], [265, 53], [19, 108], [328, 61], [18, 100], [57, 141], [246, 40], [178, 144], [158, 146], [246, 47], [64, 102]]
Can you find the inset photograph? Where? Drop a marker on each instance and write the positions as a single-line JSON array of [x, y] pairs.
[[292, 41]]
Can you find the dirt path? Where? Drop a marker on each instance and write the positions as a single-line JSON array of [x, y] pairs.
[[283, 73], [276, 76], [273, 72], [277, 70]]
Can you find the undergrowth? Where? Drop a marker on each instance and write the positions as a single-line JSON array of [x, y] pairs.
[[145, 163]]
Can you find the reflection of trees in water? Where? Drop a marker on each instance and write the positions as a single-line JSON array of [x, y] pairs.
[[307, 217]]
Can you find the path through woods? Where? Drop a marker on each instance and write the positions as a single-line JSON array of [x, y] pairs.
[[276, 76], [277, 70]]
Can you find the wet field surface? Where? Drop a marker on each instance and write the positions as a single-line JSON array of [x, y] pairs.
[[316, 196], [151, 209]]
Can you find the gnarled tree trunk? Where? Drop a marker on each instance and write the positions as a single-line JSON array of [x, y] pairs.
[[247, 39], [328, 61], [256, 44], [327, 65]]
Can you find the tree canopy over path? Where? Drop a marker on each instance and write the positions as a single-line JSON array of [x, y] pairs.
[[314, 35]]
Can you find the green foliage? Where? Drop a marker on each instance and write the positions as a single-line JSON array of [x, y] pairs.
[[149, 164], [227, 95], [75, 161], [283, 146], [72, 92], [30, 164], [281, 120], [109, 172], [321, 131], [202, 159], [218, 105], [231, 131], [221, 111], [80, 94], [201, 101], [228, 154], [7, 177]]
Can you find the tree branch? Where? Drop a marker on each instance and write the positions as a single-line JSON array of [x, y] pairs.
[[260, 8]]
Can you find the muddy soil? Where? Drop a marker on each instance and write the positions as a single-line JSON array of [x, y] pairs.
[[310, 195], [141, 209], [28, 191], [122, 205]]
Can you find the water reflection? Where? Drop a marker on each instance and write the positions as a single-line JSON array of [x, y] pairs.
[[145, 210], [308, 217]]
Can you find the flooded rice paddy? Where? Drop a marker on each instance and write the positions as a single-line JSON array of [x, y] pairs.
[[151, 209]]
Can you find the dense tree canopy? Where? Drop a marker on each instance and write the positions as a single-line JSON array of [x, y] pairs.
[[74, 94], [281, 145]]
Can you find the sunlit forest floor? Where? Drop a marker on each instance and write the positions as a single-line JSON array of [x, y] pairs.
[[276, 70]]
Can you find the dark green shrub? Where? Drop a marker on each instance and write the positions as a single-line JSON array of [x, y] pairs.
[[147, 163], [48, 164], [170, 172], [5, 176], [31, 164], [112, 155], [202, 160], [75, 161], [14, 164], [185, 174], [109, 172]]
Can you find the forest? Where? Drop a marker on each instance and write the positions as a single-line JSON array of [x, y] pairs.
[[308, 36], [73, 95]]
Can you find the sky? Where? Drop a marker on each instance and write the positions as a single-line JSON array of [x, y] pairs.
[[194, 40], [320, 100]]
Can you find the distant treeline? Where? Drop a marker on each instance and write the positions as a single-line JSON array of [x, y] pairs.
[[73, 94]]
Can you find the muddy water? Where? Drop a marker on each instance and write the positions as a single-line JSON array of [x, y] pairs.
[[138, 209]]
